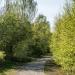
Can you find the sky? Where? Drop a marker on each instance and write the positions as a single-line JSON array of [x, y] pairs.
[[1, 3], [50, 8]]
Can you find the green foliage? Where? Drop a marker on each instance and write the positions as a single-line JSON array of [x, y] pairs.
[[22, 51], [18, 37], [12, 31], [21, 40], [2, 55], [41, 35], [63, 42]]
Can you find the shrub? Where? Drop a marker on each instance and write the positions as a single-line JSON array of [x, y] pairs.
[[2, 55]]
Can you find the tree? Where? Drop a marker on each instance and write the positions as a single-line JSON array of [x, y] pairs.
[[7, 5], [63, 45], [13, 30], [23, 8], [41, 35]]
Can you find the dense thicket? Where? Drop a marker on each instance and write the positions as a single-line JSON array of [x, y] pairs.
[[41, 35], [19, 38], [13, 30], [63, 41]]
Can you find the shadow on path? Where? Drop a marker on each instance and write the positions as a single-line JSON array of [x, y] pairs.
[[51, 68]]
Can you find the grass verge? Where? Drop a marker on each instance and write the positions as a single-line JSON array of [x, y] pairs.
[[8, 68]]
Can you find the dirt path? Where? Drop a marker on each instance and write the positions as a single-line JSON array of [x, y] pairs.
[[33, 68]]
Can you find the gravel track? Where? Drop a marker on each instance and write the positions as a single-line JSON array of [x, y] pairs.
[[33, 68]]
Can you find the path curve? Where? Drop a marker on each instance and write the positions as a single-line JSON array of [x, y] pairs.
[[33, 68]]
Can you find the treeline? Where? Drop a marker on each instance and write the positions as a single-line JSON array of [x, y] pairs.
[[20, 38], [63, 40]]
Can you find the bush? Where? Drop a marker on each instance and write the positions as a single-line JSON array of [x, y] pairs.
[[2, 55], [22, 51]]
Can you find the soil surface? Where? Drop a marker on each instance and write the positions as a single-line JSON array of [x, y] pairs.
[[33, 68]]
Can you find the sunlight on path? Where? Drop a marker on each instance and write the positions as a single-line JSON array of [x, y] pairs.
[[30, 73]]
